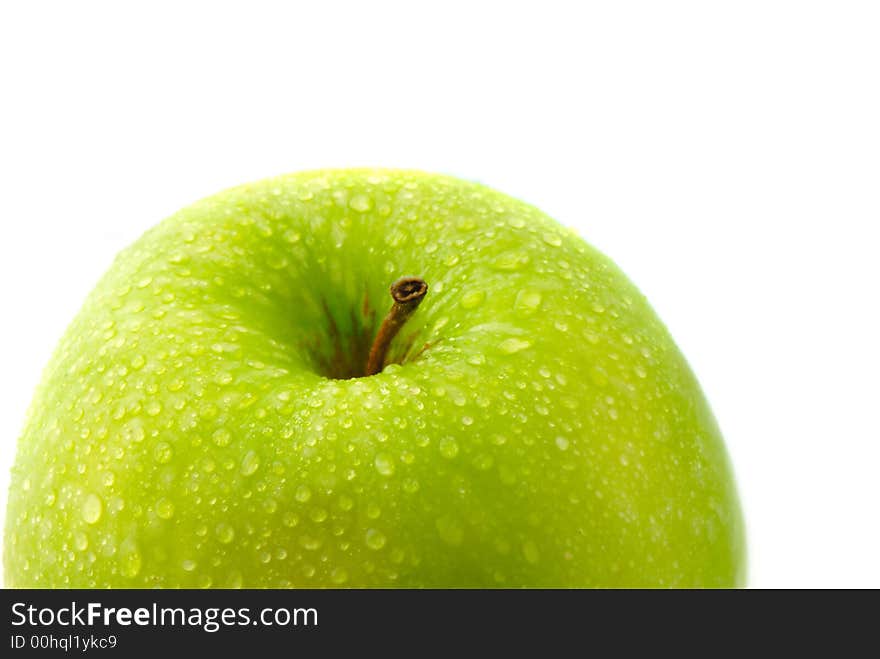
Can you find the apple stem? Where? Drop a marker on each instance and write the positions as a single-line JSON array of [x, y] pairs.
[[407, 293]]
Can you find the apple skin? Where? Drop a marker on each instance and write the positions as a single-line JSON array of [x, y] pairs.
[[540, 429]]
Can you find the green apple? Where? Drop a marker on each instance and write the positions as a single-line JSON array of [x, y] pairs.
[[208, 420]]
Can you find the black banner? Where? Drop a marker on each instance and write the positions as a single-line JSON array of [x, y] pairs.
[[379, 622]]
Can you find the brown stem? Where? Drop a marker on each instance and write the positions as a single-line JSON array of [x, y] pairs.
[[407, 293]]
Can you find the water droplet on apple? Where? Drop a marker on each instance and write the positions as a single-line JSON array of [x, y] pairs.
[[450, 530], [448, 447], [510, 261], [303, 493], [598, 376], [92, 509], [562, 443], [235, 580], [472, 299], [318, 515], [310, 543], [221, 437], [527, 302], [339, 576], [80, 541], [375, 539], [164, 508], [531, 553], [360, 203], [130, 560], [483, 462], [250, 463], [225, 533], [552, 239], [513, 345], [188, 565], [384, 464]]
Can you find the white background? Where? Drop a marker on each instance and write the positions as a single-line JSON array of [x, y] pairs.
[[725, 154]]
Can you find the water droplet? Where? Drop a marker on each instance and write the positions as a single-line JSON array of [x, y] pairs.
[[467, 420], [188, 565], [530, 551], [513, 345], [164, 508], [318, 515], [597, 375], [339, 576], [162, 453], [208, 411], [138, 362], [384, 464], [511, 261], [361, 203], [527, 302], [303, 493], [448, 447], [153, 407], [562, 443], [472, 299], [410, 485], [129, 559], [552, 239], [250, 463], [450, 530], [135, 432], [235, 579], [375, 539], [225, 533], [80, 541], [222, 437], [92, 509], [641, 372], [483, 462]]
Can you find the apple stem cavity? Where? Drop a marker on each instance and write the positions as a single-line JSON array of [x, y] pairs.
[[407, 293]]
